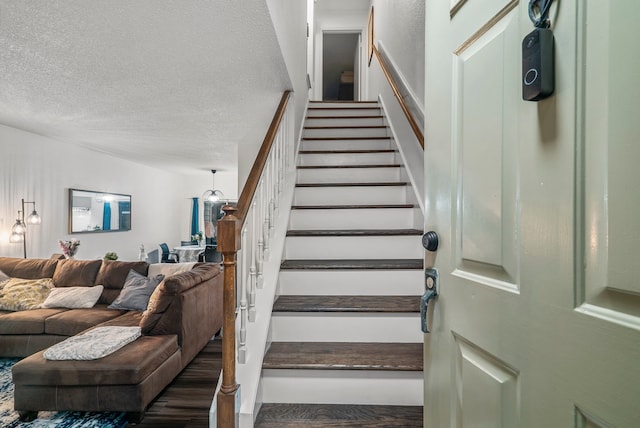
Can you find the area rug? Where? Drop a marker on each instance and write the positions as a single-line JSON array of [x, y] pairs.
[[9, 417]]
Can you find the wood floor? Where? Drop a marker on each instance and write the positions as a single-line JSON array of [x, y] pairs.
[[186, 401]]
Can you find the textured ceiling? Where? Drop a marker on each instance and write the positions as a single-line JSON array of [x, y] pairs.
[[176, 84]]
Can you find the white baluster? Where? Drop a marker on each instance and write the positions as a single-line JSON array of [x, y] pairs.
[[260, 232], [252, 266], [242, 344], [267, 213]]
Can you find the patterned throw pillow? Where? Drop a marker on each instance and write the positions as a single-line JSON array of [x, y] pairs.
[[136, 292], [19, 294]]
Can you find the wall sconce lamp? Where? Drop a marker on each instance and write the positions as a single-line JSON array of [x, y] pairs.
[[19, 229]]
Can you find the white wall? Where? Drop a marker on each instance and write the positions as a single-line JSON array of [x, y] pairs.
[[399, 25], [40, 169], [338, 21], [290, 22]]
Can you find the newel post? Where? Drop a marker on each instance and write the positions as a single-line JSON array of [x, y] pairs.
[[229, 228]]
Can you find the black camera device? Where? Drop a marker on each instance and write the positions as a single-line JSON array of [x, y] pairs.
[[537, 65]]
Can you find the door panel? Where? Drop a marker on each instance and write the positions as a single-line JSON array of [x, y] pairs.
[[610, 288], [537, 323], [484, 133], [487, 393]]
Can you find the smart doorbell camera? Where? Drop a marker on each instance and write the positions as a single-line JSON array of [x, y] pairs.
[[537, 65]]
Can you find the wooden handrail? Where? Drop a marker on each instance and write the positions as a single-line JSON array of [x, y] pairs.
[[249, 189], [385, 69], [229, 243]]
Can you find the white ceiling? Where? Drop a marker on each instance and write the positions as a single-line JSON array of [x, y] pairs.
[[178, 84]]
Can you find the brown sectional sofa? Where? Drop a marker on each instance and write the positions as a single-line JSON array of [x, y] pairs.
[[184, 313]]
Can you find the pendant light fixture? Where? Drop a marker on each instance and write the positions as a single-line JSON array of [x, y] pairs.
[[212, 195]]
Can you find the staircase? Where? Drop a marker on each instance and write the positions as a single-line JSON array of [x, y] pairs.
[[346, 345]]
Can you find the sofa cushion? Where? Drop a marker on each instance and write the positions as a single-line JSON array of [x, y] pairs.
[[165, 293], [136, 292], [72, 273], [26, 322], [28, 268], [113, 274], [74, 321], [73, 297], [129, 365], [17, 294]]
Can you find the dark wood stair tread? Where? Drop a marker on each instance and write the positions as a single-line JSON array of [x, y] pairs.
[[344, 356], [348, 127], [344, 138], [349, 207], [285, 415], [373, 116], [386, 165], [351, 264], [373, 184], [346, 152], [387, 304], [356, 232]]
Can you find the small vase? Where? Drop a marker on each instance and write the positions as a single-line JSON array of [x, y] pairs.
[[69, 257], [200, 242]]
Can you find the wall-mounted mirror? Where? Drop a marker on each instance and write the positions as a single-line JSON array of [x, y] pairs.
[[91, 212]]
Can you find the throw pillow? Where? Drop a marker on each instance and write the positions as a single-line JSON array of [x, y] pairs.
[[74, 273], [19, 294], [73, 297], [136, 292], [169, 269], [3, 276]]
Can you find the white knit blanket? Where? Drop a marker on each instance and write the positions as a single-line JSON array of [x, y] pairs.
[[93, 344]]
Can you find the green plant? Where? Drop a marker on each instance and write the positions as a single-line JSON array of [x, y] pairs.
[[111, 256]]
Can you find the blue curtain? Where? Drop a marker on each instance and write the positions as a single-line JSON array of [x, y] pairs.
[[106, 215], [194, 217]]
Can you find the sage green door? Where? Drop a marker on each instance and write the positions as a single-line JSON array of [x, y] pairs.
[[537, 205]]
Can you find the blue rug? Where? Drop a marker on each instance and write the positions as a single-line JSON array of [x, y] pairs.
[[9, 417]]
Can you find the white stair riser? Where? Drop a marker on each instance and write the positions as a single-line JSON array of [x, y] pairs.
[[350, 327], [349, 159], [342, 387], [344, 121], [347, 144], [345, 132], [353, 247], [349, 175], [350, 195], [374, 282], [343, 111], [341, 219]]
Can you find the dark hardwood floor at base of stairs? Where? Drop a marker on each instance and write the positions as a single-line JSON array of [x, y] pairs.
[[337, 415], [185, 403]]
